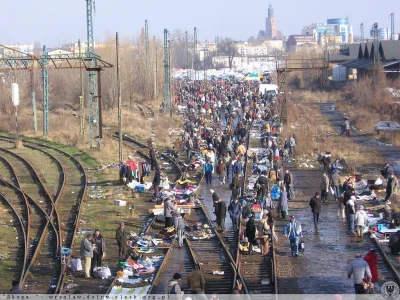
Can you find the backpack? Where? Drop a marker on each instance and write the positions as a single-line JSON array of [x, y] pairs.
[[208, 167], [220, 168]]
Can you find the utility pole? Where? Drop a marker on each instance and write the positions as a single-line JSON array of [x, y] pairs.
[[155, 75], [146, 37], [45, 76], [171, 91], [195, 52], [93, 105], [81, 97], [167, 92], [119, 100], [376, 53], [33, 102]]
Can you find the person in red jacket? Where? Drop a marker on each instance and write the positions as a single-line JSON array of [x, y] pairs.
[[372, 260]]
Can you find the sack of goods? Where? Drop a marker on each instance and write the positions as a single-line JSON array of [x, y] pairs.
[[76, 265], [102, 272]]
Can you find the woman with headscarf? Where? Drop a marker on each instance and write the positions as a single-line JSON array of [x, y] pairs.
[[372, 260], [361, 220], [251, 230]]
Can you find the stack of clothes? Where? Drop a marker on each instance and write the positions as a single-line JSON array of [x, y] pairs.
[[363, 193], [139, 270]]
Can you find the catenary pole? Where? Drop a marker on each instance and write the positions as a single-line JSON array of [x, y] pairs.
[[119, 100]]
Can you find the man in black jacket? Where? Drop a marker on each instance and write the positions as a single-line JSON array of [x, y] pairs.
[[279, 176], [326, 160], [153, 158], [262, 186], [99, 250], [288, 182], [315, 204], [220, 212], [122, 239], [156, 182]]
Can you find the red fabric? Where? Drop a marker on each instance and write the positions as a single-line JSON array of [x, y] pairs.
[[372, 260], [132, 164]]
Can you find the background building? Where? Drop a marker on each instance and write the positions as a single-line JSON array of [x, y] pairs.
[[295, 42], [319, 31], [270, 28], [27, 48], [342, 28]]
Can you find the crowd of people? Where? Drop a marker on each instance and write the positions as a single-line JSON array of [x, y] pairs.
[[218, 115]]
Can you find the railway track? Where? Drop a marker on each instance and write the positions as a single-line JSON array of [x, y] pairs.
[[150, 225], [66, 209], [41, 274], [258, 272], [219, 253], [16, 245], [212, 254], [150, 111]]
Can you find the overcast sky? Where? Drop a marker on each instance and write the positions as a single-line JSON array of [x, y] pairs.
[[54, 22]]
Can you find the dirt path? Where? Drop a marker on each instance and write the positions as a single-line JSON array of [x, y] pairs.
[[387, 152], [322, 268]]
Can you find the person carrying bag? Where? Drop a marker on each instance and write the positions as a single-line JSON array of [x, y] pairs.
[[264, 232]]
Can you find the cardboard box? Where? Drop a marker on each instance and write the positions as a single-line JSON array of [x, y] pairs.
[[119, 202]]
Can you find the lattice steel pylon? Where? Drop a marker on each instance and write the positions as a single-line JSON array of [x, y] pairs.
[[45, 76], [167, 74], [281, 78], [288, 65], [93, 105], [324, 71]]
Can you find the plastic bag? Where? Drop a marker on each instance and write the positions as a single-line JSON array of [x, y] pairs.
[[378, 181], [102, 272], [165, 184], [76, 265], [332, 191]]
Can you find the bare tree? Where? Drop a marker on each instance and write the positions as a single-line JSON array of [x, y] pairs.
[[178, 49], [227, 47]]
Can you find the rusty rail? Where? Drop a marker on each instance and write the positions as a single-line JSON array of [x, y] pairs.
[[129, 142], [28, 215], [41, 185], [48, 223], [24, 234], [61, 279]]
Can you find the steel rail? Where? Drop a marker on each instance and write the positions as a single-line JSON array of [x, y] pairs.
[[78, 165], [21, 222]]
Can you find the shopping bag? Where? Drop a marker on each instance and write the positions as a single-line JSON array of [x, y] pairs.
[[102, 272], [332, 191], [76, 265]]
